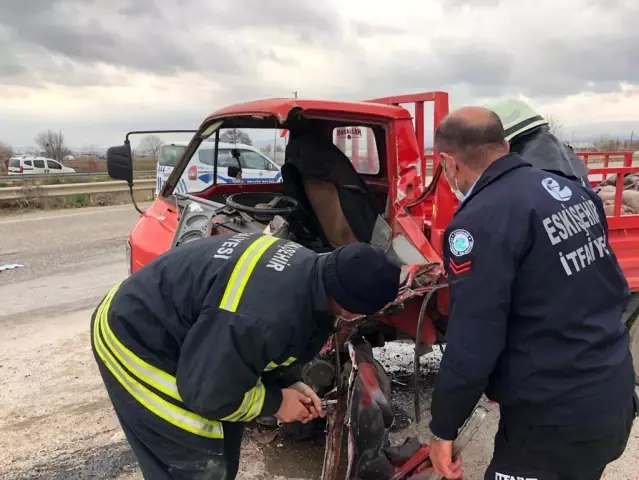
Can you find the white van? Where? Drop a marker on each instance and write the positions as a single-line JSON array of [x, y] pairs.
[[256, 167], [28, 165]]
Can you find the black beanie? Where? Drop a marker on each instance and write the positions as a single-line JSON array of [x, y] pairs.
[[361, 278]]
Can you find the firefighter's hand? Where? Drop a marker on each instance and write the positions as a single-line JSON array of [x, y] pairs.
[[315, 406], [441, 454], [293, 407]]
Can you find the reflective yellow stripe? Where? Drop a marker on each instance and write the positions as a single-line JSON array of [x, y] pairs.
[[253, 400], [243, 408], [257, 402], [173, 414], [274, 365], [146, 372], [288, 362], [251, 404], [242, 272]]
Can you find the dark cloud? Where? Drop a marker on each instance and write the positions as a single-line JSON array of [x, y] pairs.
[[161, 37], [10, 65], [306, 18], [474, 64], [124, 39], [11, 69], [597, 62], [482, 67], [67, 41], [135, 8]]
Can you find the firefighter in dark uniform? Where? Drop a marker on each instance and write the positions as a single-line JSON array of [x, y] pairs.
[[535, 315], [190, 346], [529, 134]]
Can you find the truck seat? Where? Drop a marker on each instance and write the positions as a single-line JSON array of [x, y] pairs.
[[325, 202], [339, 206]]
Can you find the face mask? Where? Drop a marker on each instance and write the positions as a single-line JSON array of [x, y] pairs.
[[460, 196]]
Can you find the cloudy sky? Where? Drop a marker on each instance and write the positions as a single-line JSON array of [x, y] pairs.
[[97, 68]]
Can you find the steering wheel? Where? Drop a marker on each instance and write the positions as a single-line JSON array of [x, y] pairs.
[[262, 203]]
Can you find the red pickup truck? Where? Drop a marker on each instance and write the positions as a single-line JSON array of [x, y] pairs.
[[410, 201]]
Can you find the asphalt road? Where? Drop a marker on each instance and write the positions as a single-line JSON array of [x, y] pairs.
[[55, 419], [69, 257]]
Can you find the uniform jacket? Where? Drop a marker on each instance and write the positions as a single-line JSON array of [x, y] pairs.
[[536, 302], [208, 324]]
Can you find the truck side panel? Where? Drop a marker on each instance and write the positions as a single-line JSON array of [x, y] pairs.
[[153, 233], [623, 229]]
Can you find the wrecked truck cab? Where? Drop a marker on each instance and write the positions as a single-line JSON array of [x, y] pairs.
[[351, 172], [382, 169], [406, 204]]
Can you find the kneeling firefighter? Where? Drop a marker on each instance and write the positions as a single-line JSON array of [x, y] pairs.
[[189, 346], [529, 135]]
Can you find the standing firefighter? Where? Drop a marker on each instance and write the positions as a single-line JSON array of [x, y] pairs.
[[529, 135], [535, 317], [190, 346]]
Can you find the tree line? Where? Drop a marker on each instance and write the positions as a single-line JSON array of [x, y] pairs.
[[53, 145]]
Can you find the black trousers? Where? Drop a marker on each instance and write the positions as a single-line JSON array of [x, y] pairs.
[[165, 452], [571, 452], [161, 459]]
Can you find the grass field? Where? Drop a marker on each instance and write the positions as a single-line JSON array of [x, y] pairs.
[[93, 164], [63, 180]]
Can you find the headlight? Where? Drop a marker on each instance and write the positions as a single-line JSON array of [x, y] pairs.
[[128, 257]]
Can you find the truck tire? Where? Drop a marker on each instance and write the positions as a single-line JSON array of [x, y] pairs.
[[297, 431]]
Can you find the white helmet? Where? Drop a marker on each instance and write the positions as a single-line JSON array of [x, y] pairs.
[[516, 116]]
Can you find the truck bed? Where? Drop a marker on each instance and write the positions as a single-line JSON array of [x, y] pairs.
[[623, 229]]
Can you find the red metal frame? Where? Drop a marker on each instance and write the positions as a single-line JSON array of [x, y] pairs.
[[419, 463], [623, 230], [607, 156], [280, 108], [440, 210], [614, 221]]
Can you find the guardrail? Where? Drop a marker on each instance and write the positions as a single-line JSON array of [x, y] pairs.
[[63, 190], [29, 176]]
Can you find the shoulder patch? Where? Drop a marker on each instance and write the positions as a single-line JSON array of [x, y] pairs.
[[460, 242], [554, 189]]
